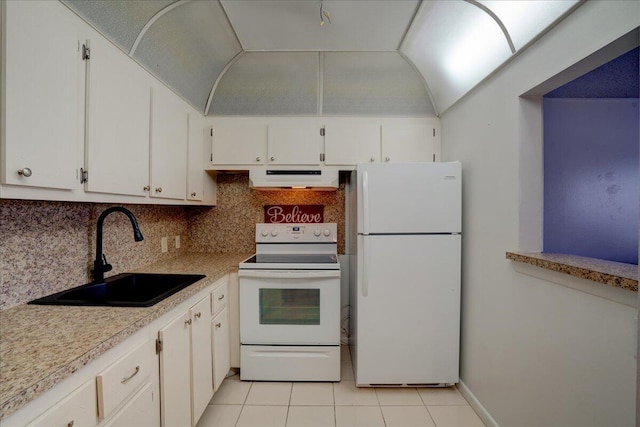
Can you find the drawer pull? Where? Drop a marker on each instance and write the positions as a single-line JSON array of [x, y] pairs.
[[221, 297], [124, 380], [198, 315], [218, 325]]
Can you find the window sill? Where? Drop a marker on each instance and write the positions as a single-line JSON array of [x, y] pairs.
[[614, 274]]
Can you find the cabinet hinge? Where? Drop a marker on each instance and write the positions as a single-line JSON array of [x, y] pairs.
[[321, 131], [84, 175], [211, 131], [434, 131], [434, 157], [322, 157], [158, 346], [211, 157], [86, 52]]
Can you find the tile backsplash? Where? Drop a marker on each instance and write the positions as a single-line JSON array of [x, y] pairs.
[[46, 247], [230, 226]]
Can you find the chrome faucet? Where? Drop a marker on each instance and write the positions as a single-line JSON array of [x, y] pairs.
[[100, 265]]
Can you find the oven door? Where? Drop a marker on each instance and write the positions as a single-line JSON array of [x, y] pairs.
[[289, 307]]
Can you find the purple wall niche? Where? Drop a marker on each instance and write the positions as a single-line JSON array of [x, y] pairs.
[[591, 179]]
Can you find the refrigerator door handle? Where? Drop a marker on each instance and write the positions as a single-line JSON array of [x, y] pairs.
[[365, 266], [365, 202]]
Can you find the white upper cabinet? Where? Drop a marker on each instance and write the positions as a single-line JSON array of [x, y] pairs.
[[169, 133], [349, 143], [42, 123], [294, 144], [239, 143], [415, 142], [117, 145], [195, 157]]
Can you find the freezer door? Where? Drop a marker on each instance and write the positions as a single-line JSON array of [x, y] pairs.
[[409, 198], [407, 310]]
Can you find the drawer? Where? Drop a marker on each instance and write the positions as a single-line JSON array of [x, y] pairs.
[[142, 410], [77, 409], [220, 297], [123, 377]]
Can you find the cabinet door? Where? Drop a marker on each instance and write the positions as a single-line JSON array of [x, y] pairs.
[[195, 157], [78, 409], [351, 143], [141, 411], [175, 372], [42, 105], [117, 146], [201, 370], [294, 144], [169, 135], [221, 365], [238, 144], [408, 143]]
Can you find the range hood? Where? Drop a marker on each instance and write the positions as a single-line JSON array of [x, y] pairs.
[[271, 178]]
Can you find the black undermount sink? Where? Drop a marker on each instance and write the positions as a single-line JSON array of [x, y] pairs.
[[123, 290]]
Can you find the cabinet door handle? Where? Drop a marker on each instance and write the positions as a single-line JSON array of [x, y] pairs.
[[221, 297], [70, 423], [198, 315], [187, 322], [159, 190], [272, 158], [373, 159], [257, 159], [218, 325], [146, 188], [386, 159], [26, 172], [193, 194], [124, 380]]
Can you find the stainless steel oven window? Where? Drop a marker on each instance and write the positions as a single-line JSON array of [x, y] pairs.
[[289, 306]]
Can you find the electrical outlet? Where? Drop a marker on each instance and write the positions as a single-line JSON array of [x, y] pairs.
[[165, 244], [177, 242]]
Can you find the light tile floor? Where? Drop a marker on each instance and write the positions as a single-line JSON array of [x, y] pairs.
[[284, 404]]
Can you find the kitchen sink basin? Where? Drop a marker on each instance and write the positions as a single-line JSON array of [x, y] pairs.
[[123, 290]]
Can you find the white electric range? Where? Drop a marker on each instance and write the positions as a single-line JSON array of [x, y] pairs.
[[290, 305]]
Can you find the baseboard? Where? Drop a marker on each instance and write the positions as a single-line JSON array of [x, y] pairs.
[[477, 406]]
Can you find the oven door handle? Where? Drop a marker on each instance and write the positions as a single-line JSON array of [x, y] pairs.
[[275, 274]]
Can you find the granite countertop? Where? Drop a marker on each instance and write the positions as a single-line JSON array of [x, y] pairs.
[[616, 274], [41, 345]]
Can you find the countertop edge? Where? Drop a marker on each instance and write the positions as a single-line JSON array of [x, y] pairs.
[[615, 274], [19, 399]]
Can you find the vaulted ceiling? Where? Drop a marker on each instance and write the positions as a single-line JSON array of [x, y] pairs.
[[327, 57]]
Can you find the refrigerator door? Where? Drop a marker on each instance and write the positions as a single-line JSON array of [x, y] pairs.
[[409, 198], [407, 311]]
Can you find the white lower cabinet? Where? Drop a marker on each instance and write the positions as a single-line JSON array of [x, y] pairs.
[[76, 410], [186, 377], [140, 411], [201, 358], [220, 331]]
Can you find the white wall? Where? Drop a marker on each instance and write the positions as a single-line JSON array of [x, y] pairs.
[[534, 353]]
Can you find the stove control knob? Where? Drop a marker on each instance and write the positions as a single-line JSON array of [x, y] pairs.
[[264, 233], [317, 232], [274, 233], [327, 232]]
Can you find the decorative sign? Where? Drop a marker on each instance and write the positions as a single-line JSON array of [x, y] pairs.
[[293, 213]]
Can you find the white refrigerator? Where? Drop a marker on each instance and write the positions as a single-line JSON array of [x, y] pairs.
[[404, 224]]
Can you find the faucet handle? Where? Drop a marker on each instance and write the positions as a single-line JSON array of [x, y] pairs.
[[105, 265]]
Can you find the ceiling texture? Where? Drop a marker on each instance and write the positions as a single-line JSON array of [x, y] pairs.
[[322, 57]]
